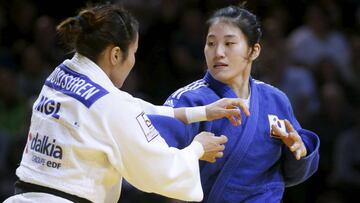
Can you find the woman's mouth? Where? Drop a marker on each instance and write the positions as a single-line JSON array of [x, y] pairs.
[[219, 65]]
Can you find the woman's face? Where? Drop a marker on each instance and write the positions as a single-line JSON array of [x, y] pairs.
[[120, 73], [227, 53]]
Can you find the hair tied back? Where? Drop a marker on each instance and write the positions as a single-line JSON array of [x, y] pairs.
[[84, 24]]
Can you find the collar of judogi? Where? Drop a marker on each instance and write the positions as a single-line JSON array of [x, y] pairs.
[[222, 89]]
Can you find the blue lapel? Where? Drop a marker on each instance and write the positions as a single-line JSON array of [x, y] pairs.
[[240, 149], [221, 89]]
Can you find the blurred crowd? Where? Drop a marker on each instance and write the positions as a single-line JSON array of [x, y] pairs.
[[310, 50]]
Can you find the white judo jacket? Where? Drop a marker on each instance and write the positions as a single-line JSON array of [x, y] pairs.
[[86, 135]]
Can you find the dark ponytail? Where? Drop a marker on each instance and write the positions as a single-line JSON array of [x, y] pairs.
[[95, 28]]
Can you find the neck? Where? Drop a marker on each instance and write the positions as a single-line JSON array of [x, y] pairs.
[[240, 84], [104, 64], [241, 88]]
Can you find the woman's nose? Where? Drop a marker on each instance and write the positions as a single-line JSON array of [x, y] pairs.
[[220, 51]]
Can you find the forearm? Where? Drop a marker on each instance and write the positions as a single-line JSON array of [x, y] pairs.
[[170, 172]]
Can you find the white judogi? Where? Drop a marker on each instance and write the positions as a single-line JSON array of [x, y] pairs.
[[86, 134]]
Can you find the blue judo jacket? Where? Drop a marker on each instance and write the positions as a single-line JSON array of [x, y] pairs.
[[256, 167]]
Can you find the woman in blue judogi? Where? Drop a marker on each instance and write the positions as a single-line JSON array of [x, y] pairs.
[[269, 150]]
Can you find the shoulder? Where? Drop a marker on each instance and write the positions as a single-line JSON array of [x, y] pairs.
[[270, 92], [194, 87], [118, 104], [194, 92]]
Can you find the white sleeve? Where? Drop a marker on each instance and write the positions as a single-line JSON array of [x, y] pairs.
[[154, 109], [148, 163]]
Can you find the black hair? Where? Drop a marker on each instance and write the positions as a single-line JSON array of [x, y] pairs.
[[97, 27], [246, 21]]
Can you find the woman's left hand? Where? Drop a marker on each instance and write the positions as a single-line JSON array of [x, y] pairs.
[[291, 138]]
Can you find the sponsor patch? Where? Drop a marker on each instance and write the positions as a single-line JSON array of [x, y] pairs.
[[44, 151], [147, 127]]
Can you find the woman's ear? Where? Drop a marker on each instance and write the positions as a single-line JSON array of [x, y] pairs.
[[255, 51], [115, 55]]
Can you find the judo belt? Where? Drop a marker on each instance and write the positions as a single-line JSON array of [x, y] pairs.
[[23, 187]]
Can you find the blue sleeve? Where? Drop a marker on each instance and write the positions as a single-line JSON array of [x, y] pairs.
[[187, 99], [175, 132], [297, 171]]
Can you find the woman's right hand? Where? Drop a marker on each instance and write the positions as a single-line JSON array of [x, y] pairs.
[[227, 107], [213, 146]]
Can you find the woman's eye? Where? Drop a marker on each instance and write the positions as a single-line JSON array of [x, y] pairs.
[[210, 43], [229, 43]]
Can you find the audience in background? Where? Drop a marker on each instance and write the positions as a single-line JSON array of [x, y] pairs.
[[311, 51]]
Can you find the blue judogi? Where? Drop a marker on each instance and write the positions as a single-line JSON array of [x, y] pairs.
[[256, 167]]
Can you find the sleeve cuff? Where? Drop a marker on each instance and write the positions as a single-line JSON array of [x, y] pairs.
[[196, 147], [310, 139], [166, 111]]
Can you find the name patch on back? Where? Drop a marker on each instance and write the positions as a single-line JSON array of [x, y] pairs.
[[75, 85]]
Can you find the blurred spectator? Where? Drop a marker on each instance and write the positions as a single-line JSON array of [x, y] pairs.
[[270, 65], [144, 10], [154, 56], [4, 165], [12, 107], [132, 85], [22, 14], [355, 45], [274, 30], [3, 21], [187, 46], [327, 71], [324, 51], [45, 41], [33, 73], [317, 39], [296, 81], [333, 118], [299, 84], [346, 173]]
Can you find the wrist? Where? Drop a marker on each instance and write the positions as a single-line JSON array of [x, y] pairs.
[[195, 114], [196, 148]]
